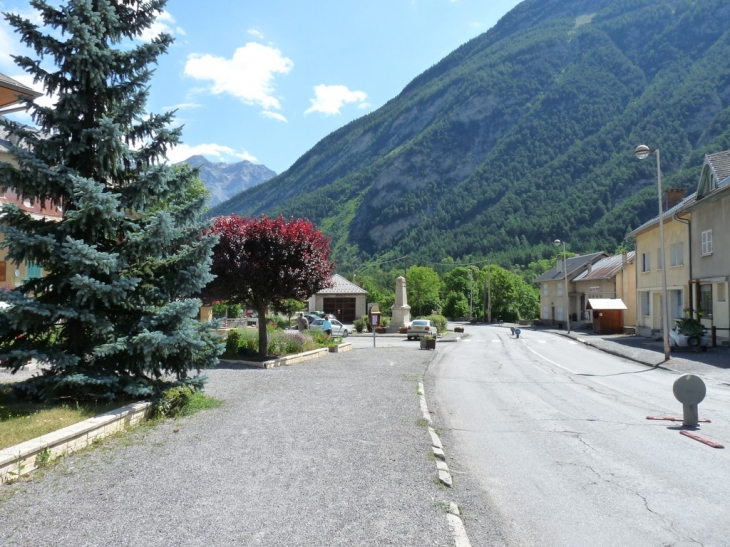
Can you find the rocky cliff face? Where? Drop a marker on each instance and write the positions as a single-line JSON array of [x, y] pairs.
[[225, 180], [522, 135]]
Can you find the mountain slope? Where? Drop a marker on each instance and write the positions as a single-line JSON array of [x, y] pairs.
[[522, 135], [225, 180]]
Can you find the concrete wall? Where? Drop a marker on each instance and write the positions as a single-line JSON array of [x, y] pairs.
[[651, 280], [714, 268]]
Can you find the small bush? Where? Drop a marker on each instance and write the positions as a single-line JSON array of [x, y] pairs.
[[233, 342], [277, 320], [285, 343], [359, 325], [384, 321], [172, 401], [366, 320]]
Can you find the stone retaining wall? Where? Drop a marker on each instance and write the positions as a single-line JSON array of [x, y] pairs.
[[21, 459]]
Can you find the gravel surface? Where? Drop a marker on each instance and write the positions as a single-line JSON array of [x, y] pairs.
[[327, 452]]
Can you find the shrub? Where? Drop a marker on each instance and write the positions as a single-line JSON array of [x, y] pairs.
[[278, 321], [366, 320], [233, 342], [321, 340], [172, 401], [384, 321], [285, 343], [690, 326], [359, 325]]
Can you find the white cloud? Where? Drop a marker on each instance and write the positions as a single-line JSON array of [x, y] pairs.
[[248, 75], [217, 152], [8, 45], [182, 106], [363, 106], [274, 116], [329, 99], [256, 33], [164, 23]]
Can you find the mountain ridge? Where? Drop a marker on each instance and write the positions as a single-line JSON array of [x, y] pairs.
[[521, 135], [224, 180]]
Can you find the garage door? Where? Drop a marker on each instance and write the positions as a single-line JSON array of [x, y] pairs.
[[343, 308]]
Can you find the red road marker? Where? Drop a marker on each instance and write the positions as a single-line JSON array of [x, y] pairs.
[[698, 437], [674, 419]]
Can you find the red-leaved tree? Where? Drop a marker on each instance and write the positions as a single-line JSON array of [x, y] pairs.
[[258, 261]]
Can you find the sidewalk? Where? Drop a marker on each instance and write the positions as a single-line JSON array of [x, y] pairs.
[[713, 363], [328, 453]]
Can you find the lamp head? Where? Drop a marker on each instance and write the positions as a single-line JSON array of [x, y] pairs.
[[642, 151], [557, 242]]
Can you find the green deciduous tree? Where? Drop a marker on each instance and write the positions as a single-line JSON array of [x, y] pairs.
[[423, 285], [113, 316]]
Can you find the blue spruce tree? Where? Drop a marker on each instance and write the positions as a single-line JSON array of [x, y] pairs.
[[114, 315]]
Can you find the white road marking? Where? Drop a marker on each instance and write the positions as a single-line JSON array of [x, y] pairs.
[[496, 341], [542, 341]]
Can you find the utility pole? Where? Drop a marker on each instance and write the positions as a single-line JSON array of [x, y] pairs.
[[489, 290], [405, 267]]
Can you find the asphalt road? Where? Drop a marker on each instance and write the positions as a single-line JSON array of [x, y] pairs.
[[549, 445]]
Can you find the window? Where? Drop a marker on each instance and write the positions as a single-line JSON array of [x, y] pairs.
[[546, 312], [721, 294], [676, 254], [560, 289], [33, 270], [707, 242], [658, 259], [706, 300], [560, 314], [645, 308], [645, 262], [545, 289]]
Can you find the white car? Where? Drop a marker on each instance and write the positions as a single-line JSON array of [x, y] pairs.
[[338, 329], [421, 327]]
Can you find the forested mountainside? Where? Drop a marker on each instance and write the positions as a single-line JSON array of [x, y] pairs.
[[224, 180], [522, 135]]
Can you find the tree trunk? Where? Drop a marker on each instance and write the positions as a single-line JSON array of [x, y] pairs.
[[263, 337]]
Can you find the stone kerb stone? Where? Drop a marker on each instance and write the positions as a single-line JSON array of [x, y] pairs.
[[21, 459]]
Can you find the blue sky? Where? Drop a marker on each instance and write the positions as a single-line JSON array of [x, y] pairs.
[[265, 80]]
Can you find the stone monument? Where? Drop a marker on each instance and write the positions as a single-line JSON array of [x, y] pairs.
[[401, 309]]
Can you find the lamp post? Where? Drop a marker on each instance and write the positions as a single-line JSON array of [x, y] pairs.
[[642, 152], [565, 271]]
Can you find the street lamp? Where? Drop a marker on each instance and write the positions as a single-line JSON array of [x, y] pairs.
[[642, 152], [565, 271]]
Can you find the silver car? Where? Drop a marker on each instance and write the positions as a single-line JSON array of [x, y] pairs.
[[421, 327], [338, 329]]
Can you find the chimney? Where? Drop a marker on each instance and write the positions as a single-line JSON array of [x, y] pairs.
[[624, 258], [674, 196], [559, 264]]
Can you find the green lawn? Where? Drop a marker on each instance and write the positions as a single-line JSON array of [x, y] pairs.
[[22, 421]]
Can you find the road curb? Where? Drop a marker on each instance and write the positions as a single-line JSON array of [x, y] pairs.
[[456, 524]]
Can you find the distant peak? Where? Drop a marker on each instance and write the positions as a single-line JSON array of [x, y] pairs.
[[197, 160]]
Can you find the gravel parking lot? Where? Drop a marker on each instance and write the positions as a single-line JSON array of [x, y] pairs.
[[327, 452]]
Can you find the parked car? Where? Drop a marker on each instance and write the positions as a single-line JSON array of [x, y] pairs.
[[311, 318], [421, 327], [338, 329]]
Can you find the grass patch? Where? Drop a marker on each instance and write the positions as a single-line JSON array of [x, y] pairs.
[[199, 401], [22, 421]]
